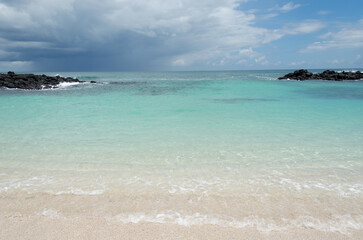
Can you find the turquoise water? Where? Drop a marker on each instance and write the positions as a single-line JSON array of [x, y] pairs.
[[200, 133]]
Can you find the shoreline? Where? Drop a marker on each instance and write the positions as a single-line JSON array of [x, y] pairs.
[[44, 214], [98, 228]]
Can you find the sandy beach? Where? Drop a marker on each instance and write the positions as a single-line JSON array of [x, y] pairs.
[[68, 216], [97, 228]]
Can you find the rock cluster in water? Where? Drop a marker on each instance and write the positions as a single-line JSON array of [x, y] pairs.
[[304, 74], [31, 81]]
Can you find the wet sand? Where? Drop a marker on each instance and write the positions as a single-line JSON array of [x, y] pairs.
[[98, 228], [68, 216]]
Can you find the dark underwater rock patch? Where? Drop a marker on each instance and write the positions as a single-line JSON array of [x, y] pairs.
[[127, 83], [33, 82], [304, 74], [238, 100]]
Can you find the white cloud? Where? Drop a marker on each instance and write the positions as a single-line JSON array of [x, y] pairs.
[[335, 61], [261, 60], [324, 12], [298, 63], [268, 16], [277, 10], [247, 52], [287, 7], [309, 26], [306, 27], [178, 62], [348, 37]]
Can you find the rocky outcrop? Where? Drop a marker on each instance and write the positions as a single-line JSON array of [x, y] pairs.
[[304, 74], [33, 82]]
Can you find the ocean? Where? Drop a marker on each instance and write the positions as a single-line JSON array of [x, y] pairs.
[[233, 149]]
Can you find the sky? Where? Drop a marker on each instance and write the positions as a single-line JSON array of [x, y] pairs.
[[179, 35]]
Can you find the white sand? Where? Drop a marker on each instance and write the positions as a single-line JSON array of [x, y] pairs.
[[68, 216], [98, 228]]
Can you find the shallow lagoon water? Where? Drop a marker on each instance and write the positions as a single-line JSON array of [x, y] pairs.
[[228, 148]]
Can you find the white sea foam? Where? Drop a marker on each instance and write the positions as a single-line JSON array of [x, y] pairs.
[[168, 184], [290, 184], [67, 84], [200, 186], [285, 181], [265, 77], [51, 185], [59, 86], [79, 191], [353, 71], [50, 213], [30, 185], [342, 224]]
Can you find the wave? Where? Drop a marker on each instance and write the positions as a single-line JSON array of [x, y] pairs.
[[201, 186], [48, 184], [337, 223], [351, 70], [68, 84], [79, 191], [62, 85]]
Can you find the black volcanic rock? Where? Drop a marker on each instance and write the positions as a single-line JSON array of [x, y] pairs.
[[32, 82], [304, 74]]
